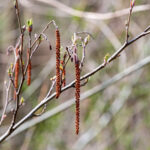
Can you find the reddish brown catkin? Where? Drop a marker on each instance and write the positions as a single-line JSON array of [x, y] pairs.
[[57, 63], [16, 72], [77, 95], [28, 69]]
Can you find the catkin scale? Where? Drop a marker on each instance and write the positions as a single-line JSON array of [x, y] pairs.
[[77, 95], [28, 69], [57, 63], [16, 72]]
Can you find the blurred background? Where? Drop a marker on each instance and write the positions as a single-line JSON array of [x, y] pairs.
[[114, 118]]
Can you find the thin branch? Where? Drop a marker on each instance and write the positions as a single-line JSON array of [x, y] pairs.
[[18, 15], [48, 94], [84, 96], [128, 24], [17, 93], [47, 26]]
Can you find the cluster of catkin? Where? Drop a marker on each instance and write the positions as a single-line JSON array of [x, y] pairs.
[[60, 75], [58, 79]]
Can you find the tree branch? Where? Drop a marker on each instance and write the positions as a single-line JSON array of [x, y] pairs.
[[46, 100], [84, 96]]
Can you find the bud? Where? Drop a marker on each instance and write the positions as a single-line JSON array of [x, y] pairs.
[[53, 78], [61, 67], [132, 2], [86, 40], [21, 101], [23, 28], [40, 38], [29, 25], [11, 66], [23, 63], [106, 57], [9, 72]]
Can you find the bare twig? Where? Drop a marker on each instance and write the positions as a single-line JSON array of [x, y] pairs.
[[47, 26], [48, 94], [128, 23], [18, 15]]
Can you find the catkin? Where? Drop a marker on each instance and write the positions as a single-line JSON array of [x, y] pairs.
[[16, 72], [77, 95], [57, 63], [28, 69]]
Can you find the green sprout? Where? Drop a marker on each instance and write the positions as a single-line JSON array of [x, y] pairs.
[[29, 22], [29, 25], [106, 57], [21, 100]]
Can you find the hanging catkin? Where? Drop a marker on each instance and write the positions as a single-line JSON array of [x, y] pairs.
[[16, 72], [57, 63], [28, 69], [77, 95]]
